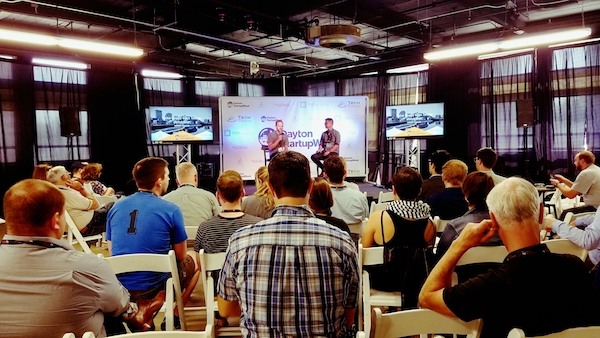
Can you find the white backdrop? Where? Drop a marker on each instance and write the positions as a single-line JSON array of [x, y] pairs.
[[247, 121]]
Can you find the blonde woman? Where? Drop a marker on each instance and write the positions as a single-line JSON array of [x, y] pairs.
[[260, 204]]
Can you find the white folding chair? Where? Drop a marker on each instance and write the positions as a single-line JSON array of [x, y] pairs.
[[481, 254], [208, 264], [440, 224], [385, 196], [421, 322], [576, 332], [207, 333], [73, 231], [376, 207], [554, 204], [155, 263], [358, 228], [372, 297], [103, 200], [570, 217], [565, 246]]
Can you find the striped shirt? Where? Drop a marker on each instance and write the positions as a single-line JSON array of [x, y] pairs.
[[213, 234], [292, 274]]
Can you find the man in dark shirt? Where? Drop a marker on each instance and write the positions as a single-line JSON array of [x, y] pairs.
[[434, 183], [513, 294]]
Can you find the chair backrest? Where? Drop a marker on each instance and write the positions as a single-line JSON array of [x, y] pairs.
[[154, 263], [565, 246], [576, 332], [103, 200], [358, 228], [556, 201], [208, 333], [73, 231], [570, 217], [385, 196], [209, 263], [481, 254], [377, 206], [191, 232], [440, 224], [422, 321]]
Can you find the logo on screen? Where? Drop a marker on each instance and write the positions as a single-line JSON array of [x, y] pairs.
[[341, 105], [229, 104], [263, 119], [264, 135], [231, 119]]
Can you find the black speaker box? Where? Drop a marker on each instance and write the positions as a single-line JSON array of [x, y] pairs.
[[69, 121], [525, 110]]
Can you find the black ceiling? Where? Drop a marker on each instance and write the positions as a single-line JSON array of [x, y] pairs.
[[214, 38]]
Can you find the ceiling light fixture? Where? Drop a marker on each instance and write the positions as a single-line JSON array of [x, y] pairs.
[[514, 43], [574, 43], [409, 69], [60, 63], [369, 73], [160, 74], [503, 54], [39, 39]]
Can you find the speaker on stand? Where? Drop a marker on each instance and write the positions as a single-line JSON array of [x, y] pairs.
[[525, 120], [69, 126]]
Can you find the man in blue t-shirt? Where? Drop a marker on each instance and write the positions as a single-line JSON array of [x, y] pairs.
[[145, 223]]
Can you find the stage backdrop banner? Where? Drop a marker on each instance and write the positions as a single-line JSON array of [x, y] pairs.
[[247, 121]]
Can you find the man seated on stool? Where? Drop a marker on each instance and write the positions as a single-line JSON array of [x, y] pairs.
[[513, 295], [587, 183], [83, 208], [329, 144], [47, 287]]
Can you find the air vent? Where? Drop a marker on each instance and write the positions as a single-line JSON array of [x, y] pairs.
[[333, 36]]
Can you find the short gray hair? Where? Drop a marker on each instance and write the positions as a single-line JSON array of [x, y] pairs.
[[54, 175], [185, 170], [514, 200]]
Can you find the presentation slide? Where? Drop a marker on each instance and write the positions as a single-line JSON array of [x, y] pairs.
[[181, 124], [247, 121], [414, 120]]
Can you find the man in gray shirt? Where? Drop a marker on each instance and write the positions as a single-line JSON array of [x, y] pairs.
[[329, 145], [277, 139], [197, 205]]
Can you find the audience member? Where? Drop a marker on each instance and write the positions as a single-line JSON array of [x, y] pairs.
[[486, 160], [404, 228], [434, 183], [476, 187], [348, 204], [350, 185], [90, 175], [510, 296], [261, 203], [292, 274], [329, 144], [76, 169], [83, 208], [321, 201], [585, 233], [213, 234], [450, 203], [145, 223], [40, 171], [587, 183], [47, 287], [197, 205]]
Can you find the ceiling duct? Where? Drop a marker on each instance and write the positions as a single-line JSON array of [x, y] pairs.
[[333, 36]]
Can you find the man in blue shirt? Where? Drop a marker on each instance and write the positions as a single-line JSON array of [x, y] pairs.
[[292, 274], [145, 223]]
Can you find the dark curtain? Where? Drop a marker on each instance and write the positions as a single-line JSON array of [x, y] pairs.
[[117, 125], [575, 94]]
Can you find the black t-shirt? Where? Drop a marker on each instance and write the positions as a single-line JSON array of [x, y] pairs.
[[534, 290]]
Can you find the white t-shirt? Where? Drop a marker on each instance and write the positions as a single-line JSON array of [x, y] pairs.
[[588, 184]]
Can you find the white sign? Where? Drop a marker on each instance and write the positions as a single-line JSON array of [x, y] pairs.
[[247, 121]]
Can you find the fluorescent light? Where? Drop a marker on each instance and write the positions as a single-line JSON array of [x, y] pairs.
[[409, 69], [27, 37], [573, 43], [46, 40], [100, 47], [544, 39], [7, 57], [503, 54], [461, 51], [369, 73], [159, 74], [59, 63]]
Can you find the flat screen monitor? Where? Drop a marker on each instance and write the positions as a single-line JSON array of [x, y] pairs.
[[181, 124], [414, 121]]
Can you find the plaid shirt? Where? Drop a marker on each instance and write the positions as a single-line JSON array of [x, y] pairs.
[[293, 275]]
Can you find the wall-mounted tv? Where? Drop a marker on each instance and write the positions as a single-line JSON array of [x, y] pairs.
[[414, 121], [180, 124]]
